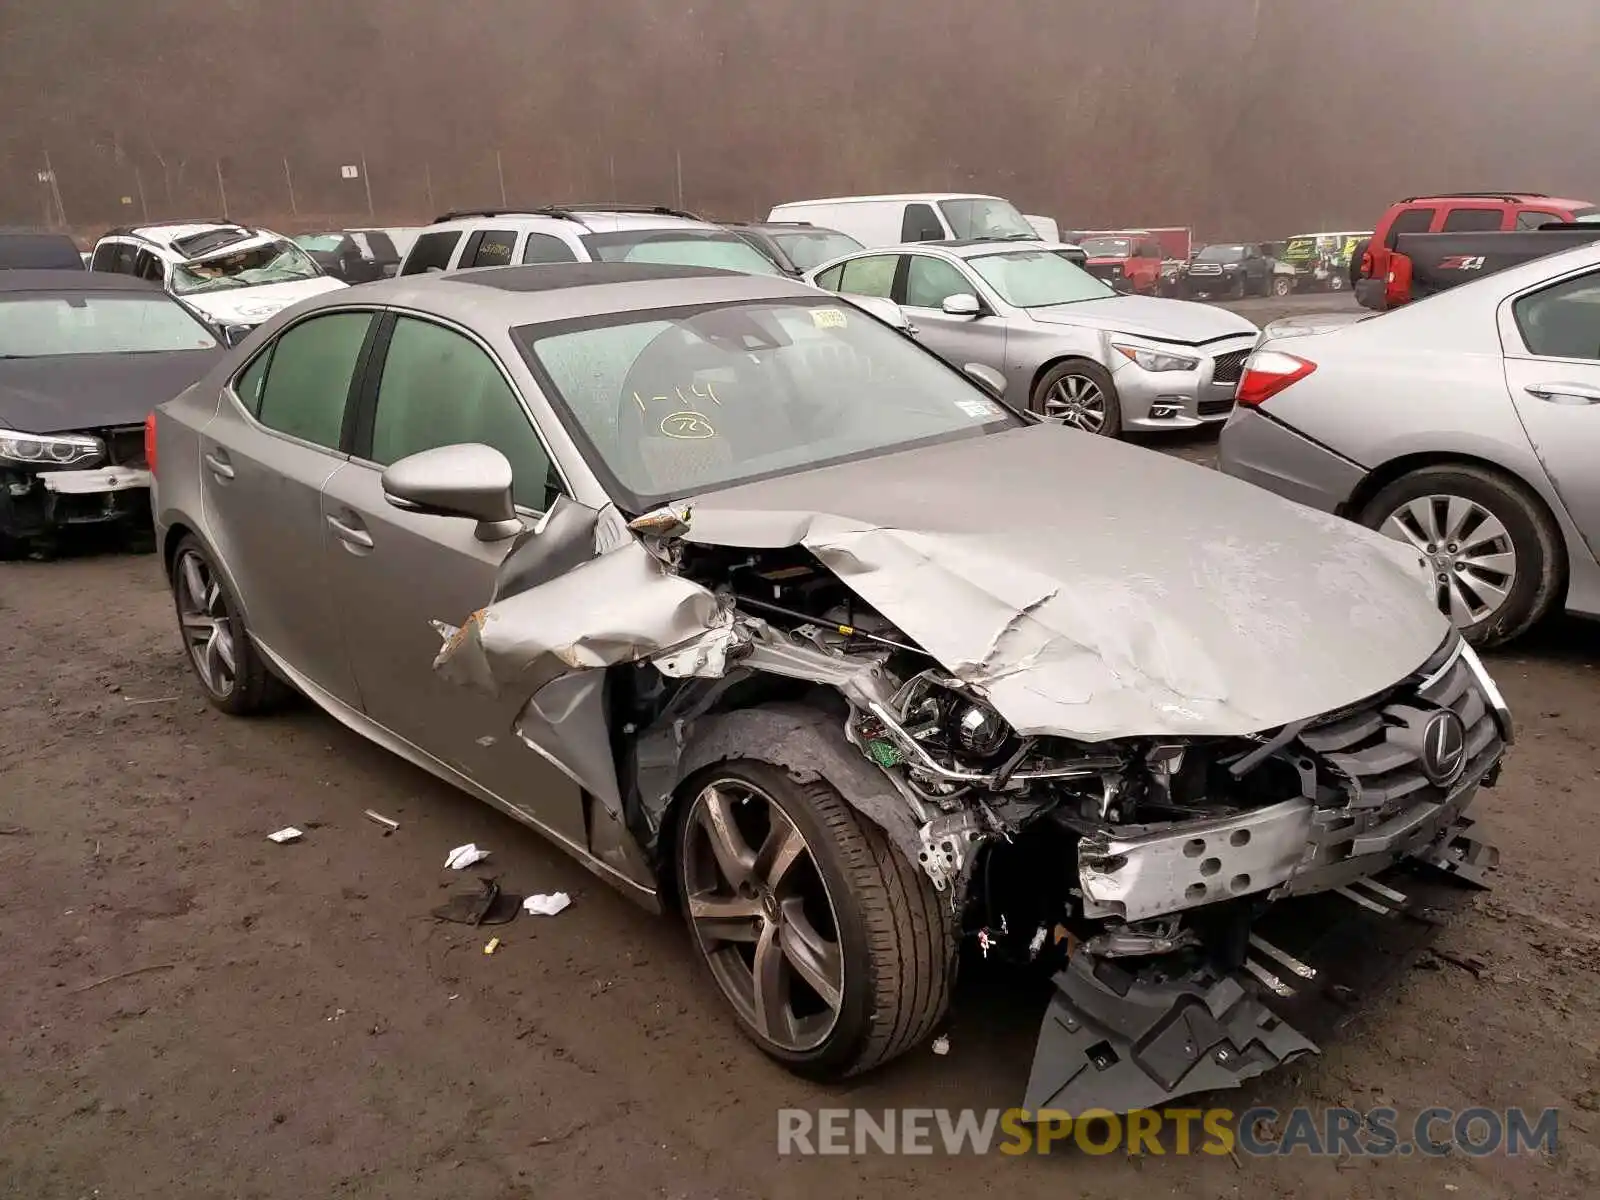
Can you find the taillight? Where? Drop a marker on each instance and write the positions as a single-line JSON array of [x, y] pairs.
[[1268, 372], [150, 443]]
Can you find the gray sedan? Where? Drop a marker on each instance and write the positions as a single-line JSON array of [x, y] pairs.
[[1069, 346], [1466, 426], [766, 614]]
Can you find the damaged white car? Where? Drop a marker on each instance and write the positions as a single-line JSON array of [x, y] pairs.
[[768, 615]]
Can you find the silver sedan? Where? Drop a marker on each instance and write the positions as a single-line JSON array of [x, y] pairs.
[[1069, 346], [1466, 426]]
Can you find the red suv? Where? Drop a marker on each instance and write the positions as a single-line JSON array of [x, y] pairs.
[[1129, 262], [1453, 212]]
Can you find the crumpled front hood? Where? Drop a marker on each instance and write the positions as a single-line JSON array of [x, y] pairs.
[[253, 305], [1149, 316], [1095, 589]]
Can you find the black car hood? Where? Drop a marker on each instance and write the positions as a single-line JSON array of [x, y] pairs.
[[60, 393]]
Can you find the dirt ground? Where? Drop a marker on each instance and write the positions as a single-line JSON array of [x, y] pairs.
[[192, 1011]]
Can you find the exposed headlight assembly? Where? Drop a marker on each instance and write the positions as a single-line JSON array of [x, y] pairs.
[[49, 450], [1156, 360]]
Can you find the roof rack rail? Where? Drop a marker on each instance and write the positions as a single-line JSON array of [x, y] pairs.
[[464, 214], [658, 210], [1510, 196], [805, 224]]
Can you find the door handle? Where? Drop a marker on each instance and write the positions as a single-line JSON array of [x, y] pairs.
[[220, 466], [1565, 393], [350, 533]]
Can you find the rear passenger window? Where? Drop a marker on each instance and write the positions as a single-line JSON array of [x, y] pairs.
[[1464, 220], [829, 279], [441, 389], [308, 379], [872, 276], [1529, 219], [921, 224], [431, 252], [248, 385], [542, 248], [488, 248], [1411, 220], [1563, 320]]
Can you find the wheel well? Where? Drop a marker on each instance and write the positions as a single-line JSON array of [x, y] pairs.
[[1383, 476], [169, 546], [1046, 368]]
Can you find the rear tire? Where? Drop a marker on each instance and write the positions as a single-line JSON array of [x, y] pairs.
[[230, 670], [1353, 275], [1336, 282], [1510, 567], [889, 957], [1081, 395]]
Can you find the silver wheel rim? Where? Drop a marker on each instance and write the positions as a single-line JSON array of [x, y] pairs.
[[203, 614], [1465, 550], [1078, 401], [1281, 287], [762, 915]]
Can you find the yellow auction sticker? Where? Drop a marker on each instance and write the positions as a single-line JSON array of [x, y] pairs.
[[828, 318]]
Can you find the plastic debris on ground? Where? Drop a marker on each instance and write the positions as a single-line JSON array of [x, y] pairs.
[[941, 1044], [486, 906], [547, 906], [491, 945], [377, 818], [465, 856], [287, 834]]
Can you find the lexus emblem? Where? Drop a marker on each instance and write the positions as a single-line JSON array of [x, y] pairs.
[[1444, 748]]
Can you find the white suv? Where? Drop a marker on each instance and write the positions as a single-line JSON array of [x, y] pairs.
[[233, 276], [580, 233]]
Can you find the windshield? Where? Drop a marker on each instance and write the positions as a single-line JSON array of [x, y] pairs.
[[814, 247], [986, 217], [1222, 254], [1107, 247], [676, 402], [38, 324], [327, 243], [682, 248], [1038, 278], [275, 262]]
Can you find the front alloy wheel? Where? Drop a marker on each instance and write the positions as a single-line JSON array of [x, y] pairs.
[[1081, 395], [834, 950], [762, 915]]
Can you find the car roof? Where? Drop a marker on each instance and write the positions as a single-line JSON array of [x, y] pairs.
[[557, 218], [1535, 198], [784, 227], [530, 295], [28, 280], [907, 197]]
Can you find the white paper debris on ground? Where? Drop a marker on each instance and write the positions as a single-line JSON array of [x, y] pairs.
[[547, 906], [465, 856], [287, 834], [941, 1044]]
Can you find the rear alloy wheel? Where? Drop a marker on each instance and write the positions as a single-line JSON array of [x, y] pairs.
[[1079, 394], [227, 664], [832, 949], [1485, 543], [1336, 282]]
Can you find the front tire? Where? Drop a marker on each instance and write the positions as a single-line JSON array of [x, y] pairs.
[[1493, 552], [1079, 394], [231, 672], [834, 951], [1281, 285]]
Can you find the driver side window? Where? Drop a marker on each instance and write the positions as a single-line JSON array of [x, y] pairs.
[[440, 388], [930, 281]]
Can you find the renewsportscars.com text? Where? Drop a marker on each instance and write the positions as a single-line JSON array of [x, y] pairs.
[[1258, 1132]]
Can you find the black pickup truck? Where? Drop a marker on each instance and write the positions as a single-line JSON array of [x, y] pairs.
[[1422, 264]]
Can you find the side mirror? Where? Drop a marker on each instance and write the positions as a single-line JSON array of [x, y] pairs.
[[886, 310], [390, 270], [468, 480], [232, 335], [962, 304], [987, 378]]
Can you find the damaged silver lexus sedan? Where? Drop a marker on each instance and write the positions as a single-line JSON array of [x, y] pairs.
[[768, 615]]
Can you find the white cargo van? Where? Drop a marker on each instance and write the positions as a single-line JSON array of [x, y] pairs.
[[918, 217]]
